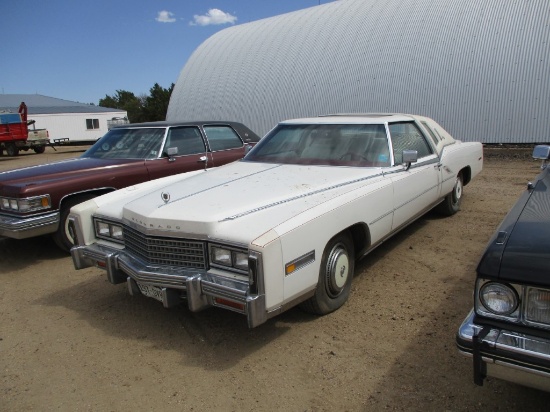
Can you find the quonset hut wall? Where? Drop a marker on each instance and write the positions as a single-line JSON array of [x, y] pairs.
[[480, 68]]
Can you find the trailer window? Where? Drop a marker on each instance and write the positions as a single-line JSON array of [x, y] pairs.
[[92, 124]]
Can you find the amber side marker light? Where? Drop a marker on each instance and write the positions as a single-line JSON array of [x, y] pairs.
[[290, 268], [230, 303]]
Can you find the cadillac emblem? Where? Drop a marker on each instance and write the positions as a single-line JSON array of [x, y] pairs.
[[165, 197]]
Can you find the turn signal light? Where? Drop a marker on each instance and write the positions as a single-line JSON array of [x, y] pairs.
[[230, 303]]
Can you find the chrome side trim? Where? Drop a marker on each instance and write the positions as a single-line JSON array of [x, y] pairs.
[[291, 199], [300, 262], [416, 197], [400, 228], [393, 170]]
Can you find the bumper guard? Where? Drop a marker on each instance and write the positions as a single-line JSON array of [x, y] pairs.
[[503, 354], [201, 288]]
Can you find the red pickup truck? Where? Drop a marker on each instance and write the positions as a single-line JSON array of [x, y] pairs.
[[15, 134]]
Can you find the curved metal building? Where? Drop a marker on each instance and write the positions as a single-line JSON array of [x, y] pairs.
[[481, 68]]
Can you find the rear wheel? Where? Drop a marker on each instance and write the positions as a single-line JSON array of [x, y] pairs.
[[11, 149], [335, 276], [62, 237], [451, 203]]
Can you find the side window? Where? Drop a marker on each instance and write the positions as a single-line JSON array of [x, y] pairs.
[[407, 136], [187, 140], [430, 131], [92, 124], [222, 138]]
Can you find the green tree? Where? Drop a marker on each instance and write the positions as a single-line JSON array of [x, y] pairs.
[[144, 108], [156, 104], [125, 100]]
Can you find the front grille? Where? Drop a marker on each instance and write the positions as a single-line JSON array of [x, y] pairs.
[[165, 251]]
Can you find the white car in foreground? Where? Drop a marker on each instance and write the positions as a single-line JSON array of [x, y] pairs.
[[284, 225]]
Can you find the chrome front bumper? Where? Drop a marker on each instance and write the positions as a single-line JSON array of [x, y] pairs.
[[31, 226], [512, 356], [201, 288]]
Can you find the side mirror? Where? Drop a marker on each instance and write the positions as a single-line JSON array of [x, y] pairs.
[[171, 152], [409, 156], [542, 152]]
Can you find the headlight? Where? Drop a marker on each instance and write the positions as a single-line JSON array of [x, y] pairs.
[[26, 204], [538, 306], [512, 302], [498, 298], [240, 260], [105, 229], [229, 257]]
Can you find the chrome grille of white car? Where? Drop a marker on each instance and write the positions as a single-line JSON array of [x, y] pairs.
[[165, 251]]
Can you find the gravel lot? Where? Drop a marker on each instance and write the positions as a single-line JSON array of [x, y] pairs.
[[71, 341]]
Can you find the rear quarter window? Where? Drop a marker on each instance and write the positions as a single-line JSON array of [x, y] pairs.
[[222, 138], [431, 133]]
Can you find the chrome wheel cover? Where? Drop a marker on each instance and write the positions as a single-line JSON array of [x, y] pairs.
[[337, 270], [457, 191]]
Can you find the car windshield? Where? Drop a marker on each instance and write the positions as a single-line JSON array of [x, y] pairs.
[[364, 145], [128, 143]]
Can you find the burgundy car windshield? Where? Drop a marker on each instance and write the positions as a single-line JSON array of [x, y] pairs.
[[363, 145], [142, 143]]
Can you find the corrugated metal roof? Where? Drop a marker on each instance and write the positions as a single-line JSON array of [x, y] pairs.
[[38, 104], [479, 68]]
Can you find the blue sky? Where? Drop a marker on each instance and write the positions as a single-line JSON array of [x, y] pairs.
[[83, 50]]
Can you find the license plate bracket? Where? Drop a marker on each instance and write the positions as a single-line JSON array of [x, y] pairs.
[[150, 291]]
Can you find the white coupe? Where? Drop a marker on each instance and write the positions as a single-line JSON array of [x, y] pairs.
[[285, 225]]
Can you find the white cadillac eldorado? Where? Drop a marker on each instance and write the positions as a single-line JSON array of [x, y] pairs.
[[284, 225]]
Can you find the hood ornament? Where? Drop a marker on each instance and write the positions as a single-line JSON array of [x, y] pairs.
[[165, 197]]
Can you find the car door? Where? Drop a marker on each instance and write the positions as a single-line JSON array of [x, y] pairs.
[[191, 153], [415, 189], [224, 143]]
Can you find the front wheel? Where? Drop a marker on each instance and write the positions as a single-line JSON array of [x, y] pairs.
[[62, 237], [39, 149], [451, 203], [335, 275]]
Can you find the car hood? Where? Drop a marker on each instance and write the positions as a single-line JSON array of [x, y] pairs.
[[13, 182], [520, 249], [241, 201]]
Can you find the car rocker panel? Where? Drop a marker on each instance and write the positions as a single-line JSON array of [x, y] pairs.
[[264, 234]]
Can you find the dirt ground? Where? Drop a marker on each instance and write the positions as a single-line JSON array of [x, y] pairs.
[[71, 341]]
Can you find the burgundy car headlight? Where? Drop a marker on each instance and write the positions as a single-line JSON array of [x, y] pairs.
[[26, 204]]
